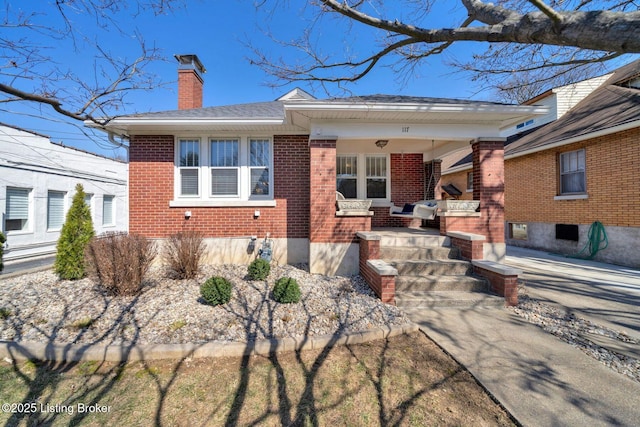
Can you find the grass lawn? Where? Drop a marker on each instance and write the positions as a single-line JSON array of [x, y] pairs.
[[405, 380]]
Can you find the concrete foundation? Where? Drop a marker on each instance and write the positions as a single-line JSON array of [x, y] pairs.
[[621, 249], [334, 259]]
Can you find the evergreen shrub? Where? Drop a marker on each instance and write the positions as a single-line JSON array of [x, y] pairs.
[[286, 290], [75, 235], [216, 290], [259, 269]]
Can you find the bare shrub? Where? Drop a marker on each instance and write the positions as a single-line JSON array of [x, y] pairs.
[[119, 261], [183, 253]]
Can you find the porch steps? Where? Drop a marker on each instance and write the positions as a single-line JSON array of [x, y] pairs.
[[431, 274]]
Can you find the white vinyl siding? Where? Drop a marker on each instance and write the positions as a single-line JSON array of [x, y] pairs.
[[107, 210], [572, 172], [55, 210], [17, 209]]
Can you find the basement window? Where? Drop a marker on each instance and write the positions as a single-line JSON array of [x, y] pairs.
[[518, 231]]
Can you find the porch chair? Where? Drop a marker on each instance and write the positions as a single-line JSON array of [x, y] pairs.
[[423, 209]]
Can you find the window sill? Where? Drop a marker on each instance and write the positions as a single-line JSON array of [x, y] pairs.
[[221, 203], [572, 197]]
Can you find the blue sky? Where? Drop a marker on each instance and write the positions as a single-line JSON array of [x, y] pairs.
[[217, 32]]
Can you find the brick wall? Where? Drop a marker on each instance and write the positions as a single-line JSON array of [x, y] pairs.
[[407, 186], [612, 184], [151, 173], [325, 227]]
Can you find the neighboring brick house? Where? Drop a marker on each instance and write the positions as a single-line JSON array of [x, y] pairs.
[[583, 167], [238, 172]]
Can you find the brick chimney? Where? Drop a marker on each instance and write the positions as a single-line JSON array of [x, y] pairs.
[[190, 81]]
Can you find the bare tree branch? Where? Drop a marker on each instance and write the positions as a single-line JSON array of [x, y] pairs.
[[568, 33]]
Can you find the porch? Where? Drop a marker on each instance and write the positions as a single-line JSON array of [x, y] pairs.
[[420, 268]]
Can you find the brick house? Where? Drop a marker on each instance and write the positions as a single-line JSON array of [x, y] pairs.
[[237, 172], [563, 176]]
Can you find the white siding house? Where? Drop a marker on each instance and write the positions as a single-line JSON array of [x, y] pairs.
[[37, 183], [559, 100]]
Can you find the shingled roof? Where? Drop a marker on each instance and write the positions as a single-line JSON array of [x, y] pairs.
[[612, 104]]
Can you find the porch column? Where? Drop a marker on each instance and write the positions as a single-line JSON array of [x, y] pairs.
[[488, 187]]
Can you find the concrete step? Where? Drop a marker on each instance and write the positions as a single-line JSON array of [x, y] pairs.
[[449, 267], [441, 283], [414, 239], [419, 252], [437, 299]]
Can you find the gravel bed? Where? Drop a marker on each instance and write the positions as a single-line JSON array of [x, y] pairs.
[[39, 307], [575, 331]]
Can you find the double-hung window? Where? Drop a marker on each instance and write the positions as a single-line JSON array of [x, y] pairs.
[[225, 171], [55, 210], [259, 161], [368, 182], [107, 210], [376, 177], [347, 176], [572, 173], [189, 152], [18, 210]]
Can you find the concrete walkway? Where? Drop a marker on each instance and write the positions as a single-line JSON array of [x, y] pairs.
[[541, 380]]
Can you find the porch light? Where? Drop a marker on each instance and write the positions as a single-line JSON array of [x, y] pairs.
[[381, 143]]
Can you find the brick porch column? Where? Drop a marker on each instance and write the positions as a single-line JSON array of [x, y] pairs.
[[488, 187], [322, 191]]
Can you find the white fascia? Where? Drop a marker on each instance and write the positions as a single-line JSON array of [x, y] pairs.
[[414, 107]]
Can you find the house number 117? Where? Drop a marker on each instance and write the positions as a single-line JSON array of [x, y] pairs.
[[405, 129]]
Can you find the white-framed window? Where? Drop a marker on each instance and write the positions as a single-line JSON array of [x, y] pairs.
[[260, 160], [572, 172], [347, 176], [108, 209], [469, 181], [189, 166], [224, 169], [368, 182], [55, 210], [18, 210]]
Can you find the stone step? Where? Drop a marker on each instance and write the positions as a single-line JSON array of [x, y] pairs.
[[414, 239], [428, 300], [449, 267], [441, 283], [418, 252]]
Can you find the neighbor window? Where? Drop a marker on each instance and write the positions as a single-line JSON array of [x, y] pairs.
[[17, 209], [88, 200], [572, 172], [368, 182], [55, 210], [233, 169], [107, 210], [469, 181], [189, 167]]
